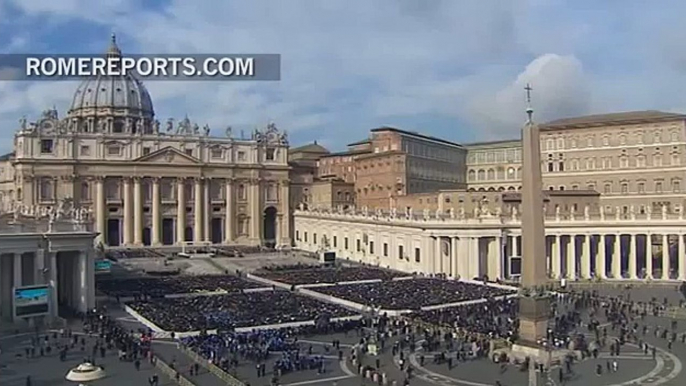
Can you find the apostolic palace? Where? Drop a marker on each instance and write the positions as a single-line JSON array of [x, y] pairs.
[[402, 199]]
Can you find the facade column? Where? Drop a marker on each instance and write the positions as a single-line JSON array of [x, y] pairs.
[[207, 211], [137, 212], [255, 212], [437, 255], [571, 258], [440, 267], [617, 257], [52, 258], [17, 271], [493, 265], [128, 212], [229, 217], [601, 258], [156, 213], [285, 214], [555, 257], [473, 270], [586, 257], [39, 266], [180, 211], [198, 232], [666, 266], [515, 246], [633, 257], [100, 210], [682, 257], [649, 256]]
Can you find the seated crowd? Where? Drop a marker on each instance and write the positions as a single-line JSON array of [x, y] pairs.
[[412, 294], [116, 255], [235, 310], [159, 286], [228, 349], [304, 274]]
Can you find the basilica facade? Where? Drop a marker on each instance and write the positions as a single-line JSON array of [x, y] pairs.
[[145, 182]]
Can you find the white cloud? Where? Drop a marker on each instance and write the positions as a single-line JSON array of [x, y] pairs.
[[560, 89]]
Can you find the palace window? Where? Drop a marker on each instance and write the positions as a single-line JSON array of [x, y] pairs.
[[589, 142], [241, 156], [401, 252], [471, 175], [676, 160], [481, 175], [657, 137], [241, 192], [622, 139], [385, 249], [676, 186], [188, 152], [85, 150], [641, 187], [607, 189], [216, 152], [639, 138], [623, 162], [606, 140], [658, 187], [674, 136], [146, 150], [550, 145], [575, 164], [85, 191], [625, 188], [47, 189], [114, 150], [270, 155], [641, 161], [491, 174], [46, 146], [590, 187], [657, 160], [417, 255]]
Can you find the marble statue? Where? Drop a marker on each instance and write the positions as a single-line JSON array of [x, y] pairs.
[[196, 129], [394, 212], [664, 212], [22, 123], [514, 213], [206, 130], [139, 126], [461, 212], [617, 213], [170, 125], [379, 213], [301, 206], [451, 212], [365, 211], [557, 212], [227, 131], [572, 213], [425, 214], [410, 213], [602, 212], [587, 213], [439, 213], [156, 126], [477, 212], [498, 211], [102, 125]]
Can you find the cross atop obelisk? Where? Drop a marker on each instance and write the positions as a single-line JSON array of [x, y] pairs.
[[529, 109]]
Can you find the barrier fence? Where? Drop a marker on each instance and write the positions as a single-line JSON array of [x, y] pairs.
[[211, 367], [171, 373]]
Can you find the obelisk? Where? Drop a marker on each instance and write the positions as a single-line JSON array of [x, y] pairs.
[[534, 300]]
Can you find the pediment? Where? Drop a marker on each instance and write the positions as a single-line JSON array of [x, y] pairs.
[[169, 155]]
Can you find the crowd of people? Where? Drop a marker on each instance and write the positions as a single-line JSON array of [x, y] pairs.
[[234, 310], [306, 274], [412, 294], [155, 287]]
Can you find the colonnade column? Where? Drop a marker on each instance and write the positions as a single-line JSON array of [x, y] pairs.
[[180, 210], [556, 258], [39, 266], [100, 210], [649, 256], [493, 265], [52, 259], [601, 258], [16, 267], [229, 217], [82, 288], [665, 257], [285, 222], [137, 212], [617, 257], [682, 258], [156, 213], [571, 257], [197, 211], [633, 257], [207, 211], [128, 212], [255, 212], [586, 257], [474, 251]]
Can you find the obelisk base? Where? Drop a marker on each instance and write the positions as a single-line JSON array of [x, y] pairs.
[[534, 312]]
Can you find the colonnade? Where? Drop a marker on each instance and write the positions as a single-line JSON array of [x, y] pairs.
[[244, 226], [621, 255], [467, 257]]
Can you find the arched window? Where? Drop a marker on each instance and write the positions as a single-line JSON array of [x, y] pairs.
[[85, 191], [472, 175], [242, 194], [481, 175], [491, 174], [47, 189]]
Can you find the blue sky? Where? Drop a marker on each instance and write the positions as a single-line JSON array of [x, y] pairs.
[[450, 68]]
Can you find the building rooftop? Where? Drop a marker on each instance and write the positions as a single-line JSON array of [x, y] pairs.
[[416, 135], [362, 142], [309, 148], [346, 153], [498, 143], [7, 157], [623, 118]]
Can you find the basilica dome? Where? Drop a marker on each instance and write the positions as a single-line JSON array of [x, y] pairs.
[[123, 95]]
